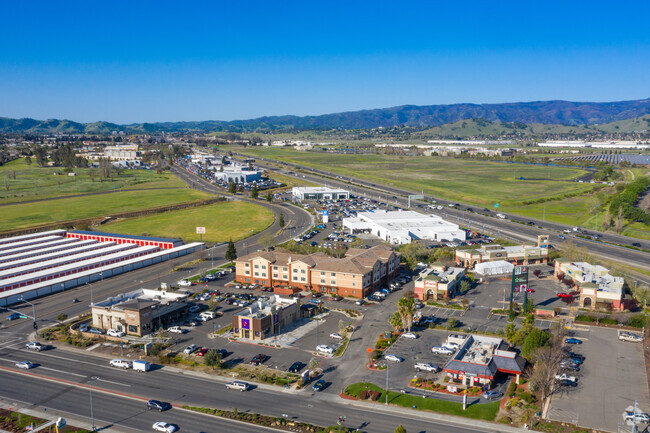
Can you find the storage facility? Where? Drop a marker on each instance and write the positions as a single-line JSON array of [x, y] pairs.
[[43, 263], [402, 227]]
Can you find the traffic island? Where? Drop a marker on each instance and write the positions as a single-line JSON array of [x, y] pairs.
[[17, 422], [486, 411]]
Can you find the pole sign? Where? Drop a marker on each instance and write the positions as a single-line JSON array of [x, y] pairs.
[[200, 230], [519, 284], [496, 204]]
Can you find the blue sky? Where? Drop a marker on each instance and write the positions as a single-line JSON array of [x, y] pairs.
[[140, 61]]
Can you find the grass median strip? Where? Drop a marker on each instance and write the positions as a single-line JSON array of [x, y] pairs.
[[486, 411]]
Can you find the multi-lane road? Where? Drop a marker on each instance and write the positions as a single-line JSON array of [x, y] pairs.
[[514, 227]]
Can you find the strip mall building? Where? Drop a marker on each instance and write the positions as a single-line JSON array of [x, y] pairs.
[[357, 274]]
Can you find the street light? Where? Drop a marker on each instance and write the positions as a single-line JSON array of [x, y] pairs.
[[21, 299], [92, 415], [91, 293]]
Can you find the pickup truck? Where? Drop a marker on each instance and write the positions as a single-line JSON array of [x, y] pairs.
[[35, 345], [624, 336], [564, 376]]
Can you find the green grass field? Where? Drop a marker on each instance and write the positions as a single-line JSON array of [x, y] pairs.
[[222, 222], [486, 411], [33, 182], [474, 182], [21, 215]]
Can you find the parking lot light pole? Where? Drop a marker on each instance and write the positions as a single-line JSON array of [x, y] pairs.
[[386, 381]]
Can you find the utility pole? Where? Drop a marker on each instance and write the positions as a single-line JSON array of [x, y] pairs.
[[91, 294], [386, 381], [92, 414], [33, 310]]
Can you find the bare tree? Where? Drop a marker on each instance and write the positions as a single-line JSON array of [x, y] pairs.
[[618, 223], [547, 361]]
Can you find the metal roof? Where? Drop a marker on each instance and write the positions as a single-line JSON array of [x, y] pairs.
[[118, 235], [43, 248], [31, 236], [31, 257]]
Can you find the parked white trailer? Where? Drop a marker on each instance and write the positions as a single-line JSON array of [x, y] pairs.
[[141, 365]]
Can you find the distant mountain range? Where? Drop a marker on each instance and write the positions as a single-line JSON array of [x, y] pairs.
[[540, 112]]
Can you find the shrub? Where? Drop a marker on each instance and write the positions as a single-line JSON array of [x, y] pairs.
[[155, 349], [505, 420], [609, 321], [585, 318], [527, 397], [511, 389], [638, 321], [61, 317]]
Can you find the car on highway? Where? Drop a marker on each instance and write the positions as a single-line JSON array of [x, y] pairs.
[[296, 367], [190, 349], [427, 366], [573, 340], [164, 427], [489, 395], [25, 364], [158, 405], [336, 336], [175, 330], [441, 350], [638, 417], [258, 359], [319, 385], [14, 316], [114, 333], [121, 363], [410, 335], [393, 358], [323, 348], [636, 244], [184, 283], [561, 237], [237, 385], [35, 345]]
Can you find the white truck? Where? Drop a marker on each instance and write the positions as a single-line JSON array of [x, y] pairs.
[[627, 336], [500, 215], [141, 365], [564, 376]]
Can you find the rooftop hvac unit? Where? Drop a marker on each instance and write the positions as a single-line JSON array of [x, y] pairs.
[[157, 297]]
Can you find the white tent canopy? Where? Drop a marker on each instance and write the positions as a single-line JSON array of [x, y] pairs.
[[497, 267]]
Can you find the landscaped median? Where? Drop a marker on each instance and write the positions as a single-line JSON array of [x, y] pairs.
[[486, 411], [279, 423]]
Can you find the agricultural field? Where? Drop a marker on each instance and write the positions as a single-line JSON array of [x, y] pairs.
[[33, 182], [222, 221], [289, 181], [479, 183], [22, 215]]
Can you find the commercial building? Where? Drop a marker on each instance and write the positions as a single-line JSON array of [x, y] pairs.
[[139, 312], [479, 360], [402, 227], [303, 193], [265, 318], [359, 272], [438, 283], [598, 288], [517, 255], [238, 175]]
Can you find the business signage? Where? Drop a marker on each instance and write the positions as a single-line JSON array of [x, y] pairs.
[[519, 284], [245, 324]]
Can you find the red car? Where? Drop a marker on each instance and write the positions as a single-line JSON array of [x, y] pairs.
[[564, 295], [202, 351], [530, 290]]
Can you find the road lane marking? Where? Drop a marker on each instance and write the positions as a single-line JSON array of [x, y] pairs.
[[114, 383], [61, 371]]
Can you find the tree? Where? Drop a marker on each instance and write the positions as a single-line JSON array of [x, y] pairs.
[[281, 219], [395, 321], [312, 365], [406, 310], [618, 223], [451, 323], [465, 286], [511, 330], [231, 252], [254, 192], [232, 188], [28, 160], [213, 303], [400, 429], [534, 340], [269, 197], [547, 361], [212, 358], [414, 253]]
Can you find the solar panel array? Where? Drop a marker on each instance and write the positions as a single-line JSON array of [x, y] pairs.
[[636, 159]]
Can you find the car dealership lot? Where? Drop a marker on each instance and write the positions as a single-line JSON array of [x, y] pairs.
[[611, 378]]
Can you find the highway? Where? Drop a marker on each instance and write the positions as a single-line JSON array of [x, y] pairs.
[[514, 227], [62, 376]]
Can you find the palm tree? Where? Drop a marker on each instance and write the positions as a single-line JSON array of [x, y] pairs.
[[406, 309], [396, 321]]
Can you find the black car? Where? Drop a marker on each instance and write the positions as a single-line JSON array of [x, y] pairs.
[[158, 405], [567, 382], [636, 244], [319, 385], [258, 359], [296, 367], [576, 356]]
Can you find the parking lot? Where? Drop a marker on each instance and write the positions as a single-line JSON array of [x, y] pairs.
[[611, 379]]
